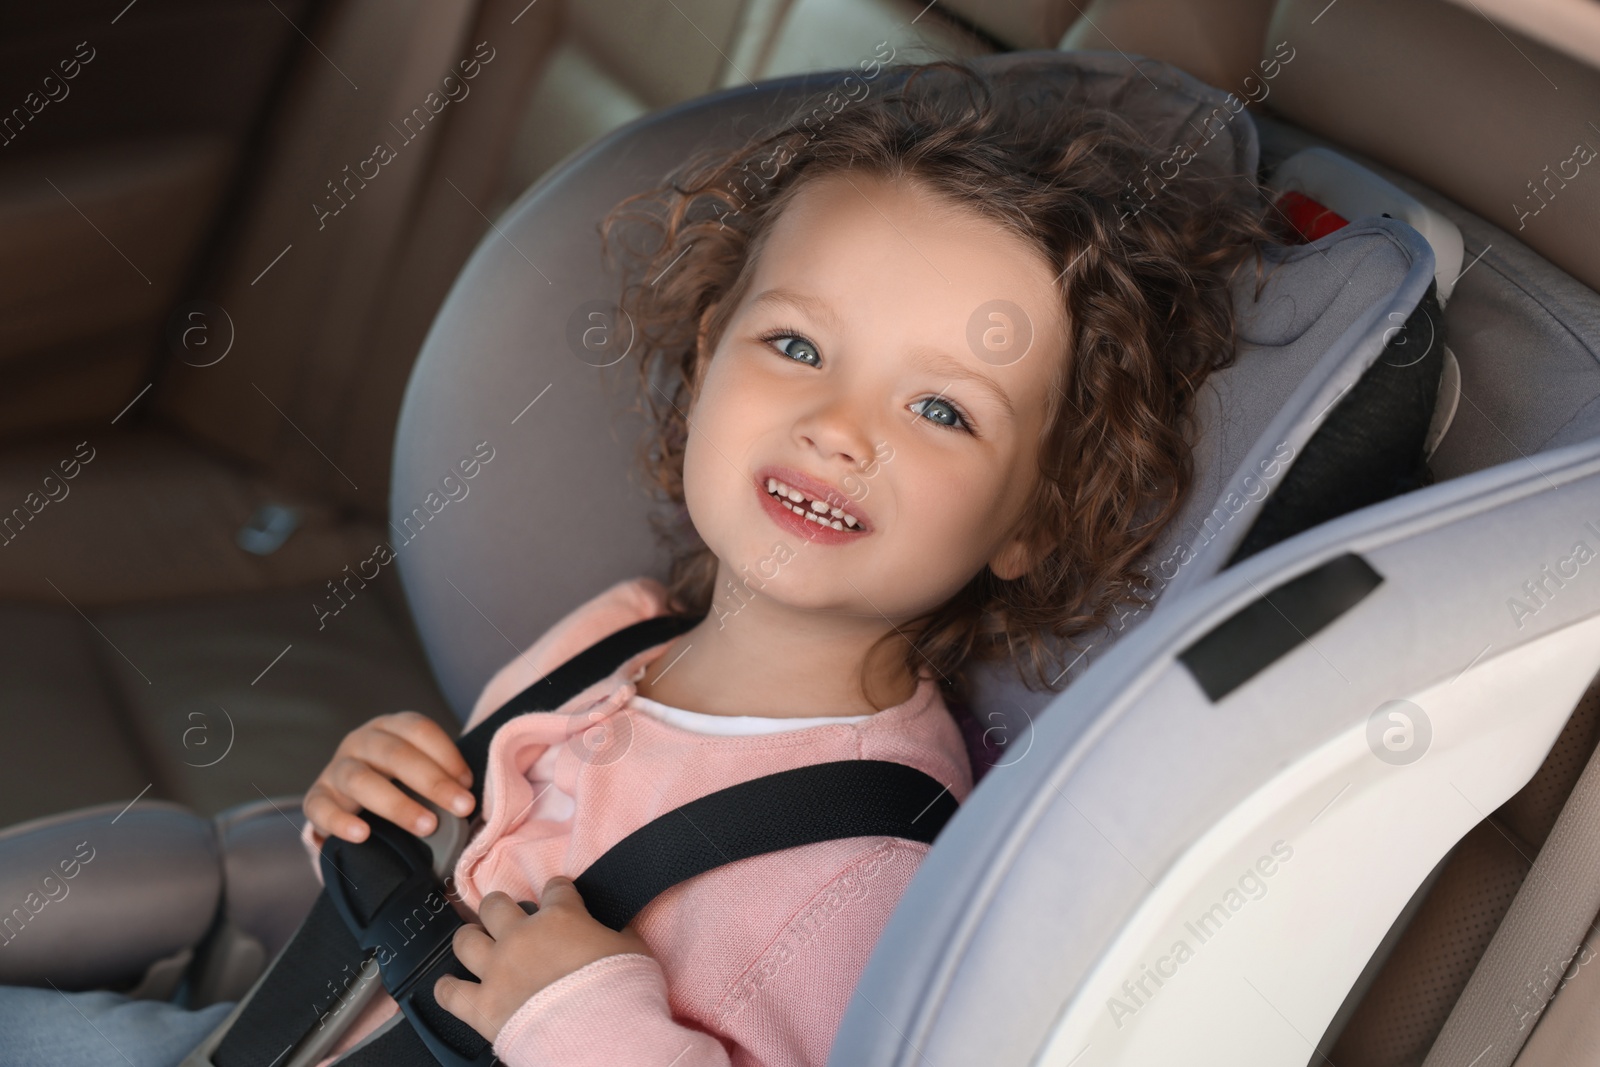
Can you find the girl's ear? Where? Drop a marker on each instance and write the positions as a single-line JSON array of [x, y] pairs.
[[1012, 561], [702, 352], [1019, 555], [701, 336]]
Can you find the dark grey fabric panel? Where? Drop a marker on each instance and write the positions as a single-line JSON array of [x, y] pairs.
[[1317, 327]]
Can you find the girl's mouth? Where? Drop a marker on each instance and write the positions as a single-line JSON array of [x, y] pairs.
[[817, 511], [817, 519]]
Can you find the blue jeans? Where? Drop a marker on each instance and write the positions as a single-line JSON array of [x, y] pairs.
[[46, 1028]]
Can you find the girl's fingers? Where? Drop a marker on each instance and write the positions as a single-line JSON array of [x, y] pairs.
[[499, 915], [325, 813], [397, 756], [430, 737], [472, 947], [446, 991], [372, 790]]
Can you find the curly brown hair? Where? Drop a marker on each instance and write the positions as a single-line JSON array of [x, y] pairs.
[[1148, 308]]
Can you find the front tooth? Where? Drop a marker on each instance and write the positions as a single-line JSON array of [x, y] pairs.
[[836, 524], [818, 506], [796, 495], [837, 513]]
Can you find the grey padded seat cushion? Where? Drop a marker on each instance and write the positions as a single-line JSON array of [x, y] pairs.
[[95, 895]]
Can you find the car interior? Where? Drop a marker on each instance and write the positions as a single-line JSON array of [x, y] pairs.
[[192, 626]]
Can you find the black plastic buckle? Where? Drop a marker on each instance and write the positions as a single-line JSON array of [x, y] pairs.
[[412, 931]]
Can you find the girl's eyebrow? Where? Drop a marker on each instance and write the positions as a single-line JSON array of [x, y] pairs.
[[934, 360], [810, 304], [927, 358]]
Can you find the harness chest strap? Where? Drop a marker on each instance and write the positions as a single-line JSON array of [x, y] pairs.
[[385, 904]]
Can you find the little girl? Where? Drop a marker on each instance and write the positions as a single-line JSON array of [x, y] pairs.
[[920, 381]]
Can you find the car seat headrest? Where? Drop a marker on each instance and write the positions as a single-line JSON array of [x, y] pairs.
[[511, 498]]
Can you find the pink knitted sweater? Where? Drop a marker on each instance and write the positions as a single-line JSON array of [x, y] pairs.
[[751, 963]]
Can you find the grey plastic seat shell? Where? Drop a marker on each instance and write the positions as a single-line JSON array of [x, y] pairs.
[[478, 368], [498, 367], [1049, 857]]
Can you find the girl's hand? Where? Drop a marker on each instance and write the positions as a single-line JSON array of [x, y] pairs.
[[406, 745], [515, 954]]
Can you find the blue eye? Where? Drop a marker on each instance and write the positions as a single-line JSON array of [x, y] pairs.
[[807, 347], [947, 414]]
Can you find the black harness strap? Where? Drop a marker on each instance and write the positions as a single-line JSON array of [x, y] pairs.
[[567, 681], [318, 962], [804, 805], [800, 806]]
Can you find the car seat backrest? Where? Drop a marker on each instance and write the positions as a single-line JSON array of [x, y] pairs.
[[1021, 24], [1218, 41], [503, 375]]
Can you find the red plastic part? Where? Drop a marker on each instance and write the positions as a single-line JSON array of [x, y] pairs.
[[1309, 219]]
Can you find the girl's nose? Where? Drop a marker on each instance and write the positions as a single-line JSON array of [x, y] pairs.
[[838, 427]]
